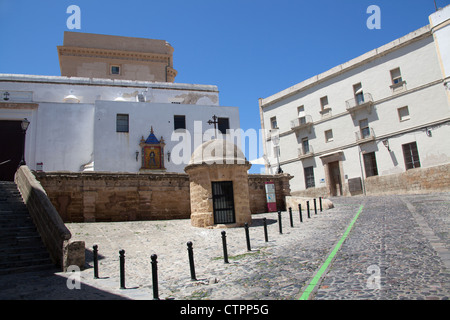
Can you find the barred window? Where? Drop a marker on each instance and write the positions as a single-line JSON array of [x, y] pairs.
[[411, 155], [122, 123], [309, 177]]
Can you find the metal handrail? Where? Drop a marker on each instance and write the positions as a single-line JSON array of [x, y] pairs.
[[4, 162], [363, 135], [302, 152], [301, 122], [353, 103]]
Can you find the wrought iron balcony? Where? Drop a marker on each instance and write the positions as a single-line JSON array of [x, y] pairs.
[[301, 122], [305, 151], [365, 135], [361, 101]]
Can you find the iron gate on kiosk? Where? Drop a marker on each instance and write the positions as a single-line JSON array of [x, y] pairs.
[[223, 202]]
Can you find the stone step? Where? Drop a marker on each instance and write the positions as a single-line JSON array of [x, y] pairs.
[[29, 268], [32, 247], [28, 255], [21, 247], [10, 222], [18, 240], [24, 262]]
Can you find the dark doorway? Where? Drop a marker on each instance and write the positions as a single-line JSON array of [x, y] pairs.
[[335, 179], [11, 147], [223, 202]]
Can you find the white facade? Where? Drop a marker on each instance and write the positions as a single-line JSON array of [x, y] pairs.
[[73, 121], [365, 113]]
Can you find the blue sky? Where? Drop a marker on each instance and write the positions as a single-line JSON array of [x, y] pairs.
[[249, 49]]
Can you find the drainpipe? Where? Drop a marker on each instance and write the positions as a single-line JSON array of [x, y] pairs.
[[362, 173]]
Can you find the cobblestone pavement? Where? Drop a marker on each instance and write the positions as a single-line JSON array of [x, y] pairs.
[[398, 249]]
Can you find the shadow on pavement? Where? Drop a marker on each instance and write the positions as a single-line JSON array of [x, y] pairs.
[[48, 285]]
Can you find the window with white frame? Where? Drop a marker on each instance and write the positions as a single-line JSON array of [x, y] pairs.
[[403, 113], [324, 102], [325, 107], [364, 128], [396, 76], [273, 123], [329, 135], [305, 146], [358, 92]]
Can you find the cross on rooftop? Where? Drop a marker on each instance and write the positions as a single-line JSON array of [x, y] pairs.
[[215, 121]]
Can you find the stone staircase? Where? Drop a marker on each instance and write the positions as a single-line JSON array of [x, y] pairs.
[[21, 247]]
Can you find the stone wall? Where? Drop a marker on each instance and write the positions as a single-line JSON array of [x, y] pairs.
[[419, 180], [257, 191], [89, 197], [95, 196], [312, 192], [54, 234]]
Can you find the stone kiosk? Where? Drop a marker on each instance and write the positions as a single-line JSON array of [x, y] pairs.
[[219, 186]]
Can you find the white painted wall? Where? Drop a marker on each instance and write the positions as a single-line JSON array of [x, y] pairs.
[[55, 89], [116, 151], [441, 32], [65, 136]]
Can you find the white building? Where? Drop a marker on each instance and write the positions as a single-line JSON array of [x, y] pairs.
[[380, 114], [97, 124]]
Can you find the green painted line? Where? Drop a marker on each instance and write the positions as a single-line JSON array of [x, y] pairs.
[[315, 280]]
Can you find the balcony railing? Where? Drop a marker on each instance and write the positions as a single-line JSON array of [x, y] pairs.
[[272, 133], [365, 135], [305, 152], [301, 122], [359, 102]]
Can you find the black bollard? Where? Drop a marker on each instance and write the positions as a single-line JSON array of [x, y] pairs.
[[155, 276], [95, 252], [191, 260], [290, 217], [280, 226], [315, 206], [300, 212], [320, 203], [307, 208], [224, 243], [122, 268], [247, 236], [266, 237]]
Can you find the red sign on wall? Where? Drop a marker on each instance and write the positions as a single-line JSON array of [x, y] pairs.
[[270, 197]]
